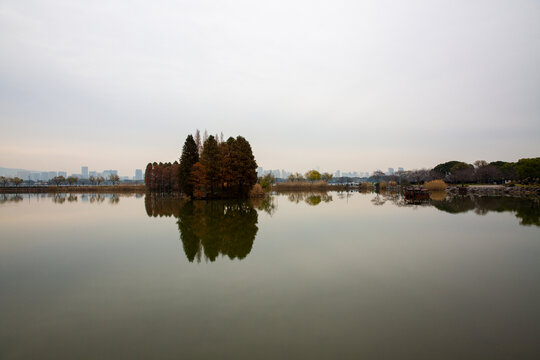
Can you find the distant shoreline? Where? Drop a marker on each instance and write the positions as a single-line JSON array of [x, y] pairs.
[[139, 188]]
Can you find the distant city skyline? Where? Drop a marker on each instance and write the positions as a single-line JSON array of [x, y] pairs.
[[37, 175], [85, 173]]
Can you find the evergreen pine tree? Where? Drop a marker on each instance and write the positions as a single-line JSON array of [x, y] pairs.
[[210, 160], [190, 156]]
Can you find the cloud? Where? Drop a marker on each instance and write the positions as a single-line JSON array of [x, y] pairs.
[[342, 84]]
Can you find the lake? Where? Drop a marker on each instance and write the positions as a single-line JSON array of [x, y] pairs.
[[305, 276]]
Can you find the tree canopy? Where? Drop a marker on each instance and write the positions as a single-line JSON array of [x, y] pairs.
[[313, 175]]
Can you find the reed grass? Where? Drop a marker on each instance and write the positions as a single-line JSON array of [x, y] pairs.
[[302, 185], [309, 186], [435, 185]]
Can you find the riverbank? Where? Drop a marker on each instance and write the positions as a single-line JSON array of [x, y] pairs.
[[89, 189]]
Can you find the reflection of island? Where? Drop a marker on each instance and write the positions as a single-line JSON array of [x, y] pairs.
[[528, 210], [209, 228]]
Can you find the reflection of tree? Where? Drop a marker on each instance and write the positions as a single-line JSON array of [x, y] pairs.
[[266, 204], [59, 198], [10, 198], [221, 227], [97, 198], [455, 205], [310, 198], [210, 228], [378, 200], [157, 204], [313, 200], [72, 198], [528, 210]]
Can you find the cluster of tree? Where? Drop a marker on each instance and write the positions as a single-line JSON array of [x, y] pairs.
[[5, 181], [524, 170], [213, 169], [162, 177], [59, 180]]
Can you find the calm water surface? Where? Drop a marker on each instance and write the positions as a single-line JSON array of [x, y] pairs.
[[310, 276]]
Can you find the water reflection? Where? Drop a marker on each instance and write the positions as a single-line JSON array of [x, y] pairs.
[[14, 198], [211, 228], [266, 204], [61, 198], [310, 198], [527, 210]]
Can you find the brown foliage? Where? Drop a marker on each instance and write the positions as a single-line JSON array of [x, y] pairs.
[[162, 177], [256, 191], [435, 185], [199, 180]]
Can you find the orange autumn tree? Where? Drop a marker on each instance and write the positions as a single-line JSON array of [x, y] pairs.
[[198, 180]]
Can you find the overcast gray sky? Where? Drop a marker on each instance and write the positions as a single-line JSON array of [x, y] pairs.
[[350, 85]]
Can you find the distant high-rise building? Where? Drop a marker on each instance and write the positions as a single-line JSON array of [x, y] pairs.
[[23, 174], [138, 174], [107, 173], [52, 174], [62, 173], [337, 174], [84, 172], [92, 173], [260, 171], [400, 169], [390, 171]]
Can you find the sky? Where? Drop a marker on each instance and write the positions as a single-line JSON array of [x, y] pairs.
[[349, 85]]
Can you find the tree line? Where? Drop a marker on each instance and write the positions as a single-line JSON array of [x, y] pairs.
[[208, 168], [62, 180], [525, 171]]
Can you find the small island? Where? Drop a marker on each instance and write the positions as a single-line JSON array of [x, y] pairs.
[[208, 169]]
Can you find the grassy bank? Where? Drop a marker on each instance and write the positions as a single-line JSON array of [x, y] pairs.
[[73, 189], [308, 186]]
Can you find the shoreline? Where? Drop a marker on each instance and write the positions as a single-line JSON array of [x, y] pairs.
[[474, 190], [495, 190], [73, 189]]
